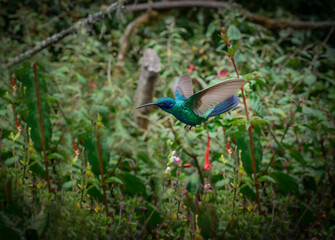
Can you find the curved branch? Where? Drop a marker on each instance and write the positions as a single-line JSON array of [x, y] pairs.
[[175, 4]]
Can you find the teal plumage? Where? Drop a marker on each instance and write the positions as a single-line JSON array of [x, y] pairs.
[[194, 109]]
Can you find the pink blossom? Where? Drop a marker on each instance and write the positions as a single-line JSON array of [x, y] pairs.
[[191, 68], [223, 74]]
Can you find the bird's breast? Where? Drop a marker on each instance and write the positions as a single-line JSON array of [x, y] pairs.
[[186, 115]]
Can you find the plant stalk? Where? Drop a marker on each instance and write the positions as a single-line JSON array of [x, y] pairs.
[[102, 173], [250, 137], [46, 163]]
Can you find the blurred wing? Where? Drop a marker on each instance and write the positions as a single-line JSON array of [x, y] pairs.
[[225, 106], [205, 101], [184, 88]]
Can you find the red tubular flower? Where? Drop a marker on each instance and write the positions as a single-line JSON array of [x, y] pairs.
[[230, 151], [18, 125], [13, 84], [75, 149], [207, 165]]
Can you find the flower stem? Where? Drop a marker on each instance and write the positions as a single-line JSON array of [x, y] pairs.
[[46, 163], [250, 137], [102, 172]]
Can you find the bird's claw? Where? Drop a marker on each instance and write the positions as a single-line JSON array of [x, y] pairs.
[[190, 127]]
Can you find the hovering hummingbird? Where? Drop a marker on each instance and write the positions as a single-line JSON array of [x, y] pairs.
[[194, 109]]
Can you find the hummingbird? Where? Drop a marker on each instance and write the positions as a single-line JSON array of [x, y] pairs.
[[194, 109]]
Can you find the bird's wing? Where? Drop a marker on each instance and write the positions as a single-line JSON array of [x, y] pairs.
[[205, 101], [184, 88]]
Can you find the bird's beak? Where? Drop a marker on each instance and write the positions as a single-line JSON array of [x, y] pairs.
[[145, 105]]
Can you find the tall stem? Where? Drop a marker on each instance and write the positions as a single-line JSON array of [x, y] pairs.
[[46, 163], [251, 142], [102, 173]]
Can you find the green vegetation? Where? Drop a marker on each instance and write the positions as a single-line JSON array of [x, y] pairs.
[[92, 173]]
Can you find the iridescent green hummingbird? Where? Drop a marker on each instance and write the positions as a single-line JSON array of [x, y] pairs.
[[194, 109]]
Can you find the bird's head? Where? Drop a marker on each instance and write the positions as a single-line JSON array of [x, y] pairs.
[[164, 103]]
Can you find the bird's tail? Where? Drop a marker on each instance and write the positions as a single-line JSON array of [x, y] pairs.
[[225, 106]]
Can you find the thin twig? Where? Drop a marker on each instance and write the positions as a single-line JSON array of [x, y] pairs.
[[146, 222], [291, 121], [282, 138]]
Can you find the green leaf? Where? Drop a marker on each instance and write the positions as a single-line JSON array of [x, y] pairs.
[[56, 155], [248, 191], [285, 183], [37, 168], [40, 222], [279, 60], [243, 144], [133, 185], [69, 184], [143, 156], [297, 156], [155, 218], [194, 183], [256, 105], [113, 179], [80, 79], [94, 191], [234, 33], [266, 178], [311, 79], [8, 229]]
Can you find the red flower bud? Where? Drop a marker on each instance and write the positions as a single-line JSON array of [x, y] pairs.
[[187, 165]]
